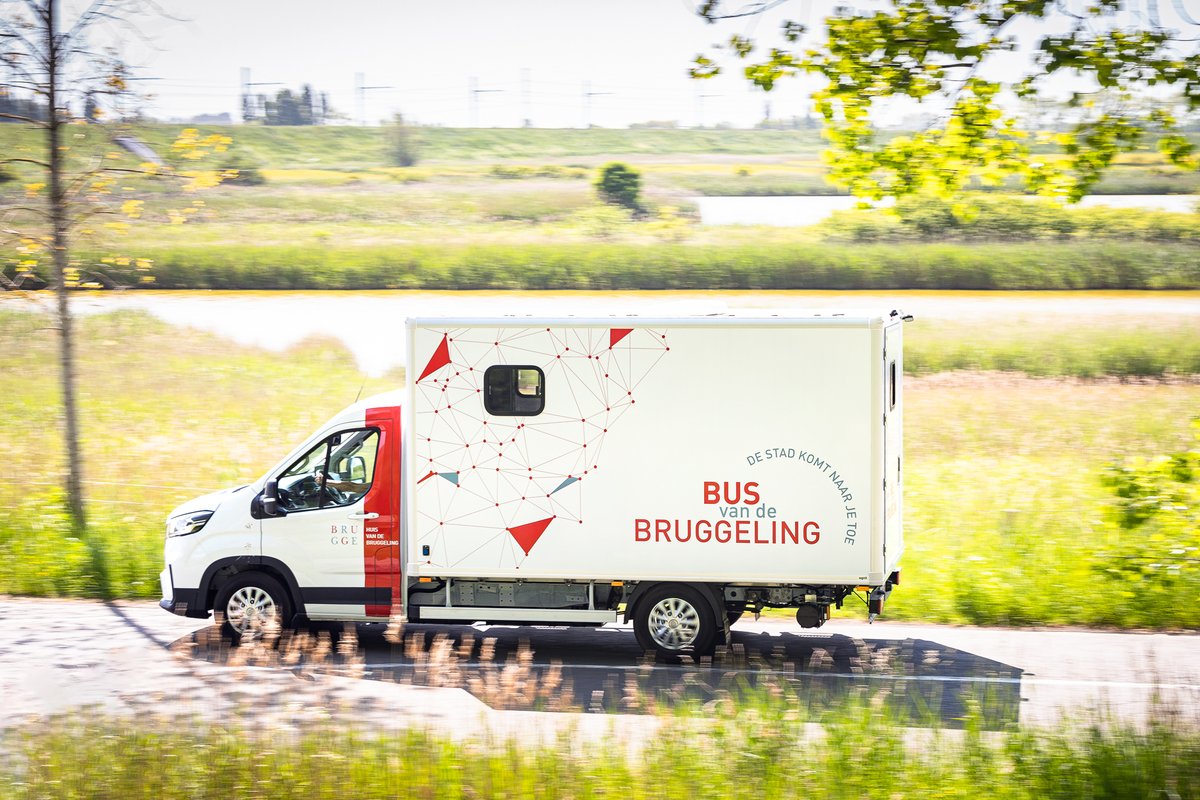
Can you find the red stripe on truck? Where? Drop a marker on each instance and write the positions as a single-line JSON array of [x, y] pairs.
[[381, 539]]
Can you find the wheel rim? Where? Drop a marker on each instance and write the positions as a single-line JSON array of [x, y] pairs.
[[674, 623], [250, 607]]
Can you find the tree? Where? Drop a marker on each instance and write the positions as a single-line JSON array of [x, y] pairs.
[[620, 185], [290, 108], [57, 66], [948, 56]]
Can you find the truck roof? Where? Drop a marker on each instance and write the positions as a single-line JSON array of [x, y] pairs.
[[390, 399], [754, 317]]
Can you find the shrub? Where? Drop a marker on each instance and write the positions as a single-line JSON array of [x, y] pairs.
[[991, 218], [620, 185], [241, 171], [402, 147], [1156, 509]]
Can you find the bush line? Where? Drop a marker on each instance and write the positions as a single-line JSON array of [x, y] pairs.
[[625, 266]]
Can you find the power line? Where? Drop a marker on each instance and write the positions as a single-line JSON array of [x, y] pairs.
[[588, 94], [473, 99], [360, 92]]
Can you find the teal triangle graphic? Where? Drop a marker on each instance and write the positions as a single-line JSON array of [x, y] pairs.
[[565, 484], [450, 476]]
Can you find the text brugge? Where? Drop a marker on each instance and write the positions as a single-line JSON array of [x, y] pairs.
[[744, 520]]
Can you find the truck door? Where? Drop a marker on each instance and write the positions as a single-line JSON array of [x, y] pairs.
[[893, 444], [340, 534]]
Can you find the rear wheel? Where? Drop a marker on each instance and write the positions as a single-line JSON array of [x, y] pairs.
[[251, 604], [674, 620]]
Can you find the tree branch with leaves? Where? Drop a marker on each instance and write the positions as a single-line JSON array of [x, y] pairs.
[[962, 60]]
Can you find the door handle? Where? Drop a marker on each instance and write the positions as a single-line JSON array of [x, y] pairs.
[[368, 515]]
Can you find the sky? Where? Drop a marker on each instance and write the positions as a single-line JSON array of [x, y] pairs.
[[487, 63], [557, 63]]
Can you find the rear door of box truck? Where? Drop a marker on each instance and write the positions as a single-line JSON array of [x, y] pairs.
[[893, 446]]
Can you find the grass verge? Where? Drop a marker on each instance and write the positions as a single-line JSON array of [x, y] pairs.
[[1122, 347]]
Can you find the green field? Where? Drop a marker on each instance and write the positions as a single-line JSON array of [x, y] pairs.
[[499, 208], [346, 147], [1007, 517]]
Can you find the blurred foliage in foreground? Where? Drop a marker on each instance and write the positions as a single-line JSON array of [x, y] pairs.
[[1157, 509], [727, 751]]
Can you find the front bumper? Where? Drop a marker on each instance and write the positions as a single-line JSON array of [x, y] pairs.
[[184, 602]]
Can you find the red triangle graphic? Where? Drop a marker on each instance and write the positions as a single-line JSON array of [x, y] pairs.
[[617, 334], [441, 357], [528, 534]]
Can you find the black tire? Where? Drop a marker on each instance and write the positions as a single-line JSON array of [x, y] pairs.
[[250, 604], [674, 619]]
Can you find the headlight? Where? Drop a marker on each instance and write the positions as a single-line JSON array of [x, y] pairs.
[[187, 523]]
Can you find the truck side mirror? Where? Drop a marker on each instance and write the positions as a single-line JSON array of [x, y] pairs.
[[270, 498]]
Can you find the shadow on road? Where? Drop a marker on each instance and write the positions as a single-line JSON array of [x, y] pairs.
[[602, 669]]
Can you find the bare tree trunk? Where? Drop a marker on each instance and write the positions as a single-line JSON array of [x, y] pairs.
[[60, 241]]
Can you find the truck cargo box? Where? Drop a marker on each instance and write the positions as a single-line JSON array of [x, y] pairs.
[[716, 450]]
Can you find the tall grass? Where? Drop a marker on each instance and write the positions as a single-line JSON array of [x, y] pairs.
[[1006, 511], [167, 414], [1007, 520], [1122, 348], [729, 752]]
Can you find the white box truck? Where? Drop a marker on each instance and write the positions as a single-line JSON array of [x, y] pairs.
[[675, 473]]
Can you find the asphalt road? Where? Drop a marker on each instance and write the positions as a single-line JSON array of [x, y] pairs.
[[60, 656]]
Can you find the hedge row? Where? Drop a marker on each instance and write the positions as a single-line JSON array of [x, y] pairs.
[[621, 266]]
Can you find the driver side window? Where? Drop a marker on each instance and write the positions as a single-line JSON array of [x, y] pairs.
[[336, 472]]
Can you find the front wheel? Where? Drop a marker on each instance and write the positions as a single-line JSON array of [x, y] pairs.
[[251, 603], [674, 620]]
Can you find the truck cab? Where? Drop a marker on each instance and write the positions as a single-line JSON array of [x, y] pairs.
[[317, 535]]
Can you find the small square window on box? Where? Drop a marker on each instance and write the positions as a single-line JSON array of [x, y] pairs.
[[514, 391]]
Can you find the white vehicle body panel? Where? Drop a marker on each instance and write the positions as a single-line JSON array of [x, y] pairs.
[[640, 418]]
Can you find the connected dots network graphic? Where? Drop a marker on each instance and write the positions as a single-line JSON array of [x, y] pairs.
[[491, 486]]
